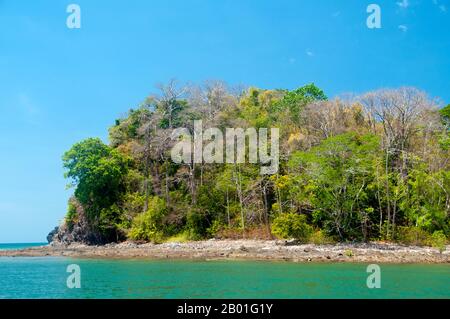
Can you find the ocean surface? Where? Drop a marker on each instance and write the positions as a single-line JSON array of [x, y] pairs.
[[46, 277], [20, 245]]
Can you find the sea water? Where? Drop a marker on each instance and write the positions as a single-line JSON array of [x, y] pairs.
[[46, 277], [14, 246]]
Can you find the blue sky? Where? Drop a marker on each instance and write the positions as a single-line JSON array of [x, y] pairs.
[[60, 85]]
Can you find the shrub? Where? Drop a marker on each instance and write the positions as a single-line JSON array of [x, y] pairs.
[[412, 235], [215, 227], [182, 237], [147, 226], [320, 238], [197, 224], [133, 204], [439, 240], [72, 215], [291, 225], [109, 224]]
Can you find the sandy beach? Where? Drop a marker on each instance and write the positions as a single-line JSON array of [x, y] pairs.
[[274, 250]]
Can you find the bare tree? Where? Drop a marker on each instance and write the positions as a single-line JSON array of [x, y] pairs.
[[400, 113], [168, 100]]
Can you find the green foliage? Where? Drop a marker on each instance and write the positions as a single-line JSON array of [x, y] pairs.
[[391, 184], [97, 173], [197, 224], [126, 129], [109, 222], [215, 227], [334, 177], [291, 225], [294, 101], [444, 141], [72, 215], [171, 111], [439, 240], [349, 253], [422, 202], [412, 235], [182, 237], [133, 204], [445, 115], [320, 238], [148, 226], [302, 96], [210, 200]]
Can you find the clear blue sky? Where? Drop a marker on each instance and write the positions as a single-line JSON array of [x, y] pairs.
[[58, 86]]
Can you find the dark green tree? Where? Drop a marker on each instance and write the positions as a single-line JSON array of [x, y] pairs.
[[97, 172]]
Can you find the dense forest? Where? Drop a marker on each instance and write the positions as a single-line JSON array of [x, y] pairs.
[[363, 167]]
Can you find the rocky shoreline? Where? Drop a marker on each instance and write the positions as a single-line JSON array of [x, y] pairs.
[[274, 250]]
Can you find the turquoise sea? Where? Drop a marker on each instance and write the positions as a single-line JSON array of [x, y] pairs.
[[45, 277], [20, 245]]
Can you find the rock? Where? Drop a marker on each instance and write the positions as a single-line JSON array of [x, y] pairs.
[[80, 232], [243, 248], [292, 242], [52, 234]]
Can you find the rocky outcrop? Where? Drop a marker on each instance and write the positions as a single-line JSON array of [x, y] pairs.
[[79, 231], [52, 234], [246, 250]]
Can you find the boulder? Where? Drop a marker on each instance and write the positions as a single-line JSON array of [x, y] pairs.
[[51, 235]]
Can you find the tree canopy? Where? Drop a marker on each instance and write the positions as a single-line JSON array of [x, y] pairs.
[[369, 167]]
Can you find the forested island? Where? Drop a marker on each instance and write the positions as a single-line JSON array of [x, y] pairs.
[[361, 168]]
